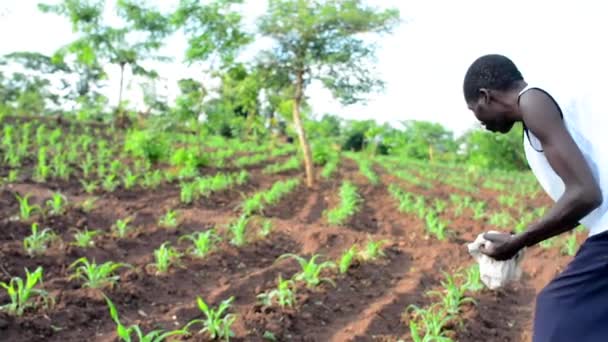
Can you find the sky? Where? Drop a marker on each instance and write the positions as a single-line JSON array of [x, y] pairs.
[[556, 44]]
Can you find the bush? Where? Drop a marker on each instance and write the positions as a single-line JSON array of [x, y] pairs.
[[151, 145]]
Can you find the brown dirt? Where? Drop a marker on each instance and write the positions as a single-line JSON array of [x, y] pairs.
[[366, 304]]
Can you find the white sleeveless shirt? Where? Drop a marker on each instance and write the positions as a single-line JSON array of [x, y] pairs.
[[588, 127]]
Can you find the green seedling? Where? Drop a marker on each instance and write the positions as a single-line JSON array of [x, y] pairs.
[[433, 319], [570, 247], [242, 177], [169, 220], [347, 259], [452, 296], [124, 333], [479, 210], [89, 187], [373, 250], [253, 204], [349, 205], [84, 239], [546, 244], [216, 323], [501, 219], [164, 257], [56, 204], [110, 183], [188, 192], [203, 242], [26, 210], [13, 176], [473, 282], [311, 271], [266, 228], [129, 179], [238, 230], [330, 168], [435, 225], [420, 207], [122, 227], [284, 294], [96, 276], [23, 294], [37, 243], [88, 204]]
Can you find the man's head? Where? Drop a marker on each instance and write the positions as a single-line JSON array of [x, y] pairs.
[[487, 84]]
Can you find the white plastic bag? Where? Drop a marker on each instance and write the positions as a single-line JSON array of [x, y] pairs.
[[495, 274]]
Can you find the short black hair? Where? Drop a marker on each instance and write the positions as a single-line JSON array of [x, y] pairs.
[[490, 71]]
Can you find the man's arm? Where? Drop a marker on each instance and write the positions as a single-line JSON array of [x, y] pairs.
[[582, 193]]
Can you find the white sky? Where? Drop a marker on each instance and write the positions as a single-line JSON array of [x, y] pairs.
[[556, 44]]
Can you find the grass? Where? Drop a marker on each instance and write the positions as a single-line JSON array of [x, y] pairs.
[[350, 202]]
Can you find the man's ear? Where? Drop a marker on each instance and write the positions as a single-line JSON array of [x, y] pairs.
[[484, 95]]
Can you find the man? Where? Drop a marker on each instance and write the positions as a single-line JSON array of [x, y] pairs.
[[568, 157]]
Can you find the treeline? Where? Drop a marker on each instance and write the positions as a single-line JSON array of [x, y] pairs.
[[253, 98]]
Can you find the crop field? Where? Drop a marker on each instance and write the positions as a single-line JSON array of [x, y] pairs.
[[222, 240]]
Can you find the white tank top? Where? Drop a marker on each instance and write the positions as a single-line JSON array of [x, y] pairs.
[[587, 124]]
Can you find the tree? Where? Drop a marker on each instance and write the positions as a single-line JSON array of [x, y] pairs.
[[127, 45], [323, 40], [423, 140], [495, 151]]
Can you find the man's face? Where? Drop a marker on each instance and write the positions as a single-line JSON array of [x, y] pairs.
[[491, 114]]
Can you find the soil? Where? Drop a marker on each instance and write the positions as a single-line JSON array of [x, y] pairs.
[[365, 304]]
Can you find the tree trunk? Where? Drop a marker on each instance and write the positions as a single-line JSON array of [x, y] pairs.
[[297, 121], [122, 73]]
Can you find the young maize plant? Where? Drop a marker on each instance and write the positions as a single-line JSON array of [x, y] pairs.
[[203, 243], [406, 200], [365, 167], [124, 333], [238, 230], [547, 244], [501, 219], [570, 247], [435, 225], [431, 320], [217, 324], [420, 206], [284, 294], [26, 210], [87, 165], [129, 179], [152, 179], [349, 205], [373, 250], [169, 220], [330, 167], [479, 210], [84, 238], [96, 276], [164, 257], [60, 168], [266, 228], [292, 163], [508, 201], [188, 192], [121, 228], [88, 204], [110, 183], [253, 204], [23, 294], [56, 204], [251, 160], [89, 187], [37, 243], [311, 271], [473, 279], [13, 176], [451, 296], [42, 171], [439, 205], [347, 259], [279, 190]]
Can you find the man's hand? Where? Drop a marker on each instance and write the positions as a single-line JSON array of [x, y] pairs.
[[503, 247]]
